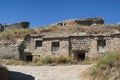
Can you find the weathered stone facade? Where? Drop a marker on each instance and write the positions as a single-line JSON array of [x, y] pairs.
[[77, 46]]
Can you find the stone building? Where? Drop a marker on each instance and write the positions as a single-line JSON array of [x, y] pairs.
[[79, 45], [84, 46]]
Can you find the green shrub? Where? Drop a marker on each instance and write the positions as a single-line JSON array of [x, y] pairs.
[[56, 60], [109, 59], [65, 60], [4, 73], [48, 60]]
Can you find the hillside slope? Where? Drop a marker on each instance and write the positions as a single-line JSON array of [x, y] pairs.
[[107, 68]]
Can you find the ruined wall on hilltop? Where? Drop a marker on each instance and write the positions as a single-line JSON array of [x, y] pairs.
[[90, 21], [18, 25], [21, 25], [78, 22]]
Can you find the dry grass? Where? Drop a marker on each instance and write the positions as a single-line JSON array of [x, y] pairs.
[[56, 61], [45, 61], [107, 67], [101, 29], [14, 35]]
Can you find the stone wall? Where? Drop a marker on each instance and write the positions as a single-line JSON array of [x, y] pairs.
[[92, 53], [84, 43], [113, 43], [90, 45], [80, 43], [9, 51], [46, 49]]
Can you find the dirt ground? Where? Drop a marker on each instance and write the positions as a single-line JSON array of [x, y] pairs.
[[71, 72]]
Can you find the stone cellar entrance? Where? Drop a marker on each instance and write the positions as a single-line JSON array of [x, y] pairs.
[[79, 55], [28, 57]]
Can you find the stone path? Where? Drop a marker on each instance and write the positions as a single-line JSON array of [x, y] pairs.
[[71, 72]]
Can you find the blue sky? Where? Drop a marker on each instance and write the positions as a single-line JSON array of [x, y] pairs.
[[45, 12]]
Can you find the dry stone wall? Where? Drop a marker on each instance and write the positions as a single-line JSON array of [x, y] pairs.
[[9, 51]]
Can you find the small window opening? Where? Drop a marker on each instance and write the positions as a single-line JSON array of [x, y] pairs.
[[38, 44], [55, 46], [101, 44]]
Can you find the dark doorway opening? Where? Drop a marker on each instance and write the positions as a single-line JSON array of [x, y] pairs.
[[29, 58], [79, 55]]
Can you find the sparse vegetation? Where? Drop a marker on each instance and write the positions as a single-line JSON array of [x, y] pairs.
[[13, 35], [45, 61], [99, 29]]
